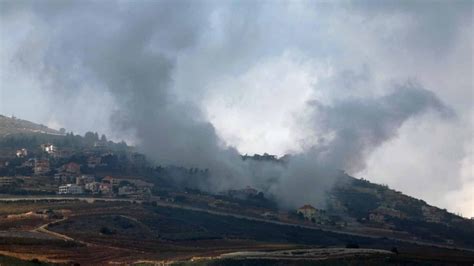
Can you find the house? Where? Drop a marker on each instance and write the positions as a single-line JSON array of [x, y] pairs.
[[117, 181], [308, 211], [93, 187], [132, 187], [84, 179], [21, 153], [70, 189], [49, 148], [71, 168], [243, 193], [110, 180], [6, 181], [41, 166], [134, 191], [29, 163], [270, 215], [126, 191], [64, 178], [249, 191], [376, 217], [100, 144], [140, 184], [93, 161], [105, 188]]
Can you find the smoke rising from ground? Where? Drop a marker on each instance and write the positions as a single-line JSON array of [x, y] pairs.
[[131, 52]]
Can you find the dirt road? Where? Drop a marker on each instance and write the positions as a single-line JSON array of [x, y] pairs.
[[220, 213]]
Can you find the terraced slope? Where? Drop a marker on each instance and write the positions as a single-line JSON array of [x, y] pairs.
[[12, 125]]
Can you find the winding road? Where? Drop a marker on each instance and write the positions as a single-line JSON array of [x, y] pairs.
[[44, 229]]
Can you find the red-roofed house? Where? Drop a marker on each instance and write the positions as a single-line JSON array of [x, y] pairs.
[[72, 168], [308, 211]]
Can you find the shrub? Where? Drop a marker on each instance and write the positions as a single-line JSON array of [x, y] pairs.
[[352, 245], [106, 231]]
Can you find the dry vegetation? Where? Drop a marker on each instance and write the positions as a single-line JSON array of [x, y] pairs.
[[123, 232]]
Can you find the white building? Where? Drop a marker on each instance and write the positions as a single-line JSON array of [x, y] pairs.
[[21, 153], [70, 189], [93, 187], [126, 190], [49, 148]]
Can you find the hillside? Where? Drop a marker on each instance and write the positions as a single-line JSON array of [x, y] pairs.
[[128, 209], [374, 206], [12, 125], [368, 207]]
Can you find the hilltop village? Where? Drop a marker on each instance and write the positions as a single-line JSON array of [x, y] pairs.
[[98, 169], [49, 169], [92, 167]]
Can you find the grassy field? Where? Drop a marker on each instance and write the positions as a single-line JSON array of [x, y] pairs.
[[11, 261], [122, 232]]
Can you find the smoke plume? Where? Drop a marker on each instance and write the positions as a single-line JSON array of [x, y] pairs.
[[130, 51]]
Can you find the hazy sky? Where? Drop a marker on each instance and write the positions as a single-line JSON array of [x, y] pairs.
[[388, 84]]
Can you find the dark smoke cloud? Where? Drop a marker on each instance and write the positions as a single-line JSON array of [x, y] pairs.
[[348, 132], [130, 50], [357, 126]]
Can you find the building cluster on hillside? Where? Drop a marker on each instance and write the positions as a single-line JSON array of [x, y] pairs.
[[108, 186], [71, 189], [57, 170], [380, 214], [318, 216]]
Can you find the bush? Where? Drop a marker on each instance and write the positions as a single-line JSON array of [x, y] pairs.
[[394, 250], [352, 245], [106, 231], [35, 261]]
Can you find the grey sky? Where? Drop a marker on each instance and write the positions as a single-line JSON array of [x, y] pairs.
[[382, 89]]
